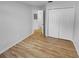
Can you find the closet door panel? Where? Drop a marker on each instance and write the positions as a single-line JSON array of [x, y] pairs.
[[66, 23], [53, 24]]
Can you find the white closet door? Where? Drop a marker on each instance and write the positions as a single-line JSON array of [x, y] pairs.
[[66, 23], [53, 23], [61, 23]]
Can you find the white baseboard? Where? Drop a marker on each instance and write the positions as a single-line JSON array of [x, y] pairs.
[[13, 44], [76, 47]]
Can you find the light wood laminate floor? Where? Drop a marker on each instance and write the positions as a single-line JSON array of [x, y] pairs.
[[38, 46]]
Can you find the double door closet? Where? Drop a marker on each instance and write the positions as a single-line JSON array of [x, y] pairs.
[[61, 23]]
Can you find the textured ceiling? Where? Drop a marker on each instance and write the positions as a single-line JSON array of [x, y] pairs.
[[36, 3]]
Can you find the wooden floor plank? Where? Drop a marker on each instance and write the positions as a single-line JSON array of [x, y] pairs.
[[41, 47]]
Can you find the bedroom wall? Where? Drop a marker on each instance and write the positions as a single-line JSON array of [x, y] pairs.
[[76, 29], [15, 23], [36, 22]]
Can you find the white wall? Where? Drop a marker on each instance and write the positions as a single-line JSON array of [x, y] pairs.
[[37, 22], [15, 23], [64, 4], [76, 30], [34, 21]]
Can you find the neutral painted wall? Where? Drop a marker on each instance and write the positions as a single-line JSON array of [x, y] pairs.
[[36, 23], [76, 30], [64, 4], [15, 23]]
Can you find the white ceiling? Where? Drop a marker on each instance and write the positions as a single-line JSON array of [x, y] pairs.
[[36, 3]]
